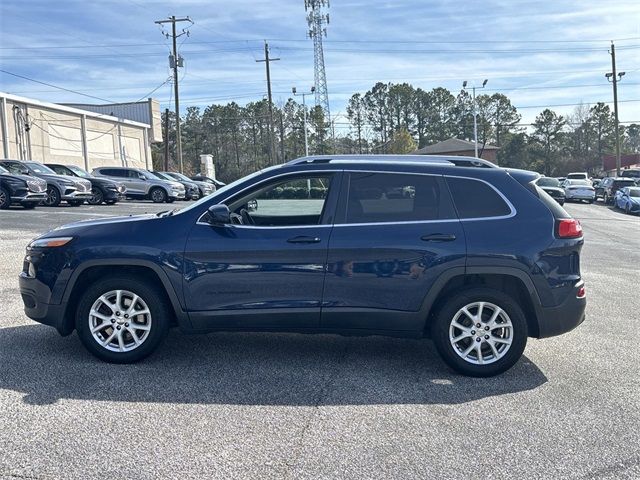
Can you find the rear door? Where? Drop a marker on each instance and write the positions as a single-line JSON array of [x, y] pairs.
[[398, 234]]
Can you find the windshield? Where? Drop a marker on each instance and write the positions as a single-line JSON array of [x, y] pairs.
[[578, 182], [39, 168], [222, 190], [634, 192], [180, 176], [149, 174], [548, 182], [78, 171], [163, 176]]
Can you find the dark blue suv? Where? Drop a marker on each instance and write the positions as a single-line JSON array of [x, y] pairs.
[[476, 257]]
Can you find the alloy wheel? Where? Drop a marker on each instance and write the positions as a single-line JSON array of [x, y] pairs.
[[52, 198], [4, 200], [481, 333], [120, 321]]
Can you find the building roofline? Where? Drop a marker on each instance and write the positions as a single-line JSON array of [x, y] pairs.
[[78, 111]]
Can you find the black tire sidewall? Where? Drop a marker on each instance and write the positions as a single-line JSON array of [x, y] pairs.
[[153, 192], [56, 202], [7, 203], [151, 296], [444, 315], [98, 191]]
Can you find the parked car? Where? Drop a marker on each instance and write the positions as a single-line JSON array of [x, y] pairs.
[[479, 258], [142, 184], [552, 187], [631, 173], [561, 179], [578, 176], [192, 192], [205, 188], [21, 190], [212, 181], [595, 183], [627, 199], [610, 185], [580, 190], [60, 188], [103, 190]]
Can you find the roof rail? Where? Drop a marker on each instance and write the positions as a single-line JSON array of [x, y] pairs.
[[424, 159]]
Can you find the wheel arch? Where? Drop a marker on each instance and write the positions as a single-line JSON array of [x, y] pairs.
[[93, 270], [512, 281]]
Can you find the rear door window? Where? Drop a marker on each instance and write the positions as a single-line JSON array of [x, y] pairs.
[[391, 197], [476, 199]]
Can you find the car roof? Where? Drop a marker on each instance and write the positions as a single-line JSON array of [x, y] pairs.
[[441, 160]]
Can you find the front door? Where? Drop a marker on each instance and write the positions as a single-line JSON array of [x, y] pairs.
[[398, 233], [266, 270]]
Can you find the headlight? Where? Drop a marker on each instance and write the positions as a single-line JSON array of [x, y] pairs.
[[49, 242], [68, 183]]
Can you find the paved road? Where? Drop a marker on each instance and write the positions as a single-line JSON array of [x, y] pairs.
[[292, 406]]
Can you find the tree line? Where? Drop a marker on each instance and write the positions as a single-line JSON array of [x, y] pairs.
[[396, 118]]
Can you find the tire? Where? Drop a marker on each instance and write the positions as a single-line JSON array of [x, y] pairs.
[[110, 202], [150, 299], [442, 331], [158, 195], [53, 197], [5, 198], [627, 209], [98, 196], [29, 206]]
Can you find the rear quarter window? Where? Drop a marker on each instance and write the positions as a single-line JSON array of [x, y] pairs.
[[476, 199]]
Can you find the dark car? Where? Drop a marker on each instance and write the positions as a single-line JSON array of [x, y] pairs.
[[20, 190], [631, 173], [477, 257], [191, 190], [103, 190], [212, 181], [204, 188], [610, 185], [75, 191], [552, 187]]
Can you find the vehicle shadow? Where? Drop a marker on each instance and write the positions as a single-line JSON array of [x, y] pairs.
[[248, 369]]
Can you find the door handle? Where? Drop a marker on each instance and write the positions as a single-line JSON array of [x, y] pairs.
[[438, 237], [303, 239]]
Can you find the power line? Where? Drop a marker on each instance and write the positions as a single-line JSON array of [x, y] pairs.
[[55, 86]]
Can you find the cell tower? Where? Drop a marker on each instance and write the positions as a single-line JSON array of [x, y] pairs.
[[317, 19]]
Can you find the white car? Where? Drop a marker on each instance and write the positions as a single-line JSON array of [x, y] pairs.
[[579, 176], [579, 190]]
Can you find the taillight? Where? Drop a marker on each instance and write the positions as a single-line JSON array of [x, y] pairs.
[[581, 293], [568, 228]]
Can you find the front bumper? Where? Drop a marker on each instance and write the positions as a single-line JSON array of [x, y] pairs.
[[562, 318], [31, 197], [76, 195], [36, 297]]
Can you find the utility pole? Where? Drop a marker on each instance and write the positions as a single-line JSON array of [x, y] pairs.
[[166, 140], [267, 60], [304, 112], [176, 61], [614, 78], [475, 116]]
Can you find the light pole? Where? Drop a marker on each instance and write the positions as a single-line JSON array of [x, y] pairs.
[[614, 78], [475, 117], [304, 110]]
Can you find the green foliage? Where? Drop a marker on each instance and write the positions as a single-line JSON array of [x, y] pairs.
[[402, 142]]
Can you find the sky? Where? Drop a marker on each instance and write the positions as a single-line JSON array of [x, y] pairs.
[[539, 53]]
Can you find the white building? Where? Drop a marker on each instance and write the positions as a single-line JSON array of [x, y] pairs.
[[49, 132]]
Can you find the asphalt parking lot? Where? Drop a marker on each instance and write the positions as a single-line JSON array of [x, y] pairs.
[[233, 405]]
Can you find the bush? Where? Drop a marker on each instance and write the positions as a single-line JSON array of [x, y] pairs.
[[318, 192]]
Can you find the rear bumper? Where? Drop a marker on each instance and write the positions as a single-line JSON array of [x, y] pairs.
[[562, 318]]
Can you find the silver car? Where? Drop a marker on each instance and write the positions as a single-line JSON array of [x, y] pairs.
[[143, 184], [579, 190], [74, 191], [204, 187]]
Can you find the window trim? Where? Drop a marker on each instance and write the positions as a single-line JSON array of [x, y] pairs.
[[330, 203]]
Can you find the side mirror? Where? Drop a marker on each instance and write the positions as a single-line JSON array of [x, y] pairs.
[[142, 176], [219, 215], [252, 205]]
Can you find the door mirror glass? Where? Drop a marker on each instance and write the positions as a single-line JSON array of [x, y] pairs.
[[252, 205], [219, 215]]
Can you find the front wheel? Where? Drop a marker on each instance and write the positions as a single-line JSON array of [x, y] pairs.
[[97, 196], [158, 195], [5, 198], [122, 320], [53, 197], [480, 332]]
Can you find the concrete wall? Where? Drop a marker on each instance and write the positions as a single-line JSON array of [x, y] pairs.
[[56, 135]]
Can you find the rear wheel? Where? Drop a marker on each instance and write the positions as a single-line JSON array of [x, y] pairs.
[[122, 320], [53, 197], [480, 332], [158, 195], [5, 198]]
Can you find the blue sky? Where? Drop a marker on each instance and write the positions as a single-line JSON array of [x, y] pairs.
[[117, 53]]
